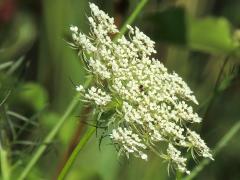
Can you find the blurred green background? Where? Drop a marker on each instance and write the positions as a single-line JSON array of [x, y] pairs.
[[198, 39]]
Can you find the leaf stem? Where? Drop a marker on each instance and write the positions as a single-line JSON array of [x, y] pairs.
[[220, 145]]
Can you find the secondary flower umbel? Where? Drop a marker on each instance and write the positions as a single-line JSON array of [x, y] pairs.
[[145, 106]]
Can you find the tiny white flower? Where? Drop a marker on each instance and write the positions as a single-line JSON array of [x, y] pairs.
[[130, 142], [98, 96], [144, 104], [175, 158], [198, 144], [74, 29], [144, 156], [80, 88]]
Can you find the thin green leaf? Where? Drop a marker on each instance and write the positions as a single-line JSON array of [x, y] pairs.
[[22, 118]]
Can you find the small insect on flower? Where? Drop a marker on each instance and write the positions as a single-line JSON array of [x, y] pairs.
[[148, 106]]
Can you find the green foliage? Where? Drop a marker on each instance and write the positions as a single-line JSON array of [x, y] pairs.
[[212, 35], [168, 25], [19, 39], [208, 34], [34, 95], [37, 67]]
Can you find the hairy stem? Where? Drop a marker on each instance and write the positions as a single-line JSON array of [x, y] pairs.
[[220, 145], [89, 133]]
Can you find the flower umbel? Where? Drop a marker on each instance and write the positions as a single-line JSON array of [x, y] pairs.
[[148, 105]]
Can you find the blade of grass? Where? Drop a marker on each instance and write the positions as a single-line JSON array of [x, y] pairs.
[[31, 119], [91, 130], [220, 145], [15, 65], [5, 167], [5, 98], [3, 114], [21, 117], [5, 65]]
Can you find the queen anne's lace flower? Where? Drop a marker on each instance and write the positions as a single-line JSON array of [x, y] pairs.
[[146, 105]]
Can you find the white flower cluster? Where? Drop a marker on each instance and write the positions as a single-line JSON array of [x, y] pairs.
[[174, 156], [99, 97], [198, 144], [151, 105], [81, 40], [129, 141]]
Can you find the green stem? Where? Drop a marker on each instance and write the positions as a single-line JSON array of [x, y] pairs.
[[131, 18], [221, 73], [89, 133], [73, 104], [216, 92], [178, 175], [70, 109], [220, 145], [49, 137], [4, 164], [75, 152]]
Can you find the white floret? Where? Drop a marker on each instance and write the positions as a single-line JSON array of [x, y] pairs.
[[130, 142]]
